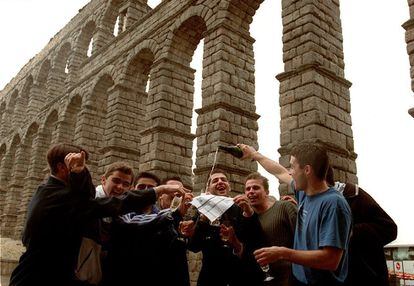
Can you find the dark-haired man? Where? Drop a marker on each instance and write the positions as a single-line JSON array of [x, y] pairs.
[[222, 265], [278, 221], [319, 255], [60, 212], [372, 229]]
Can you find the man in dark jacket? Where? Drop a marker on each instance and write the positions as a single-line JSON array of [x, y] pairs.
[[222, 264], [372, 229], [60, 213]]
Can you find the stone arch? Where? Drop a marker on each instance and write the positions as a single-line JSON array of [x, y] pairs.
[[91, 126], [3, 149], [208, 15], [41, 81], [61, 60], [59, 71], [7, 175], [138, 70], [8, 113], [150, 45], [84, 39], [70, 117], [25, 94], [185, 39], [3, 119], [170, 102], [241, 12], [23, 195], [110, 15], [8, 162], [22, 102]]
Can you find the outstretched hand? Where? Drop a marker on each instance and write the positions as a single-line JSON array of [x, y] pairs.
[[248, 151], [175, 190], [75, 162]]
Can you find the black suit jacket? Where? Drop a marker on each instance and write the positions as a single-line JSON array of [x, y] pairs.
[[220, 265], [372, 229], [59, 215]]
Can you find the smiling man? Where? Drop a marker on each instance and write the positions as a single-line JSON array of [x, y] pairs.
[[319, 255], [222, 265], [278, 220], [117, 179]]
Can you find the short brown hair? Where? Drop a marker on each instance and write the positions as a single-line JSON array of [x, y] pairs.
[[312, 154], [174, 178], [120, 166], [147, 175], [57, 153], [330, 176], [258, 176]]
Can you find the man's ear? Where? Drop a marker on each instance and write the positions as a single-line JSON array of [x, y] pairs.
[[103, 181], [307, 169]]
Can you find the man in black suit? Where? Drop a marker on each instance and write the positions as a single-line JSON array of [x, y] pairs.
[[222, 263], [61, 212]]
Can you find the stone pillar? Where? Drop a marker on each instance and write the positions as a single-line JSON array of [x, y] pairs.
[[19, 113], [124, 123], [166, 143], [314, 95], [86, 136], [76, 57], [409, 39], [228, 110], [135, 10], [37, 99], [14, 190], [6, 175], [55, 83], [5, 122], [102, 36]]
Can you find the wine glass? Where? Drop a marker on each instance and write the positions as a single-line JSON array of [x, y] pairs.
[[175, 203], [266, 269], [225, 233], [190, 215], [215, 223]]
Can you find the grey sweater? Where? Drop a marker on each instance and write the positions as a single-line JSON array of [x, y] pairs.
[[278, 224]]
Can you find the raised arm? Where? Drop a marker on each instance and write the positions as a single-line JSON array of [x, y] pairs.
[[268, 164]]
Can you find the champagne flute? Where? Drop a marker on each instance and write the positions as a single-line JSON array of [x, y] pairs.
[[225, 234], [215, 223], [175, 203], [266, 269]]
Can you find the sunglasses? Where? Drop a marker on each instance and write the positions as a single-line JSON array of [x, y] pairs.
[[144, 186]]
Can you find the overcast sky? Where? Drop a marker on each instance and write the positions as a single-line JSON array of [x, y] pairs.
[[376, 63]]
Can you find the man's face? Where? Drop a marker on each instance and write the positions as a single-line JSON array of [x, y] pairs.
[[219, 185], [255, 192], [116, 184], [145, 183], [298, 174], [166, 199]]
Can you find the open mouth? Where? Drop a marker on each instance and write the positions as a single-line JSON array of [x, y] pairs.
[[252, 198]]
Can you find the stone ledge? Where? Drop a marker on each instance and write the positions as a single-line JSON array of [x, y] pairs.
[[228, 107], [408, 24], [317, 68], [411, 111]]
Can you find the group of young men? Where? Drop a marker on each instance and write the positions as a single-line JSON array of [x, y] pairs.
[[308, 239]]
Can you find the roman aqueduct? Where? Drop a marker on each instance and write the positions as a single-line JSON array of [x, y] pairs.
[[101, 101]]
